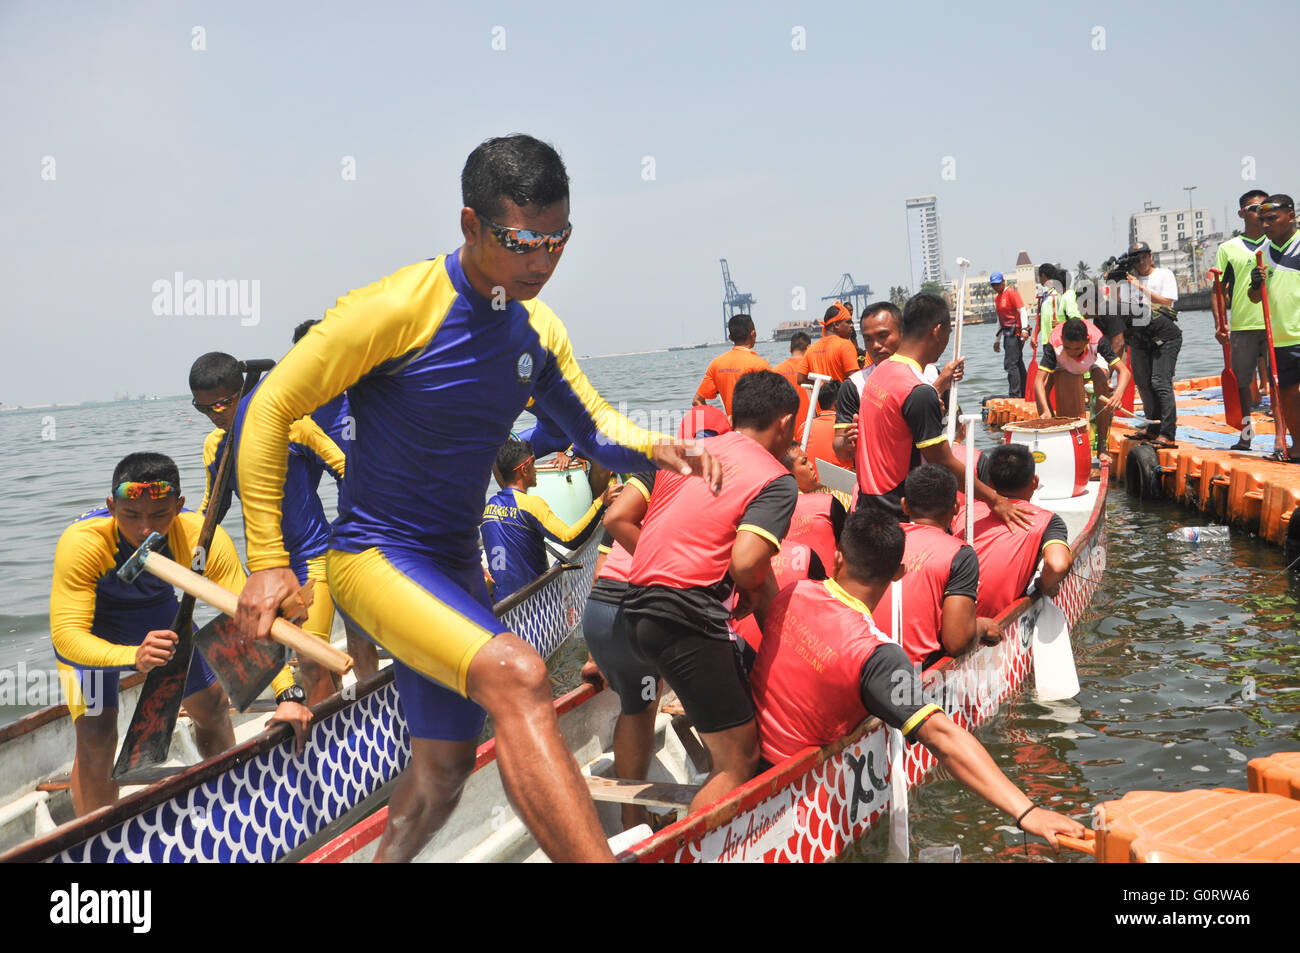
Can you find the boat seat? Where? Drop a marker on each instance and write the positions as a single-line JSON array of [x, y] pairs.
[[647, 793]]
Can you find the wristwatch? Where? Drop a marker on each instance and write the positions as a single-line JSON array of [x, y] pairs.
[[294, 693]]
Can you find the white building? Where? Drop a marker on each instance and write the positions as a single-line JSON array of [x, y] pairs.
[[1168, 232], [924, 240]]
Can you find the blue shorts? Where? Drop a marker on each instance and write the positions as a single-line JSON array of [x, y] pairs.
[[90, 691], [431, 619]]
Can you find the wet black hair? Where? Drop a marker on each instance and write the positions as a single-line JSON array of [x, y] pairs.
[[1252, 194], [303, 328], [1011, 467], [799, 341], [930, 491], [217, 370], [145, 467], [826, 396], [512, 453], [524, 170], [877, 306], [871, 543], [922, 314], [1074, 329], [760, 398], [739, 328]]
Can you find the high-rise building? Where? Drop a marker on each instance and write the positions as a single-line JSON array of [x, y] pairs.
[[1170, 232], [924, 241]]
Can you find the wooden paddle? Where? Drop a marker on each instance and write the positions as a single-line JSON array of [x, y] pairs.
[[1279, 420], [1228, 379], [149, 735]]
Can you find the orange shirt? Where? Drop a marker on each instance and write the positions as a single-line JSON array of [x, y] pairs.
[[725, 369], [790, 369], [834, 356], [821, 439]]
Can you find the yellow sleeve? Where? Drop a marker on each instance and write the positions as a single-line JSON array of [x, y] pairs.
[[307, 433], [396, 315], [210, 444], [552, 525], [608, 426], [221, 562], [85, 552]]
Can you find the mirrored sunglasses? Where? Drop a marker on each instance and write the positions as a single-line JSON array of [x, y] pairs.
[[521, 241]]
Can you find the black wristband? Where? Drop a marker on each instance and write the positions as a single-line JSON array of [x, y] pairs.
[[1025, 814], [294, 693]]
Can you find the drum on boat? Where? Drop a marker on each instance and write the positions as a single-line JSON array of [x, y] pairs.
[[1062, 455]]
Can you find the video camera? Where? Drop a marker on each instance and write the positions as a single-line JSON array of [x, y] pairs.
[[1118, 268]]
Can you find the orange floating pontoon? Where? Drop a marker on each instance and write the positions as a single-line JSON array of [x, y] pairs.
[[1223, 825]]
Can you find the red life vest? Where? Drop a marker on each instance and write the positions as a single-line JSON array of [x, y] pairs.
[[617, 564], [885, 444], [806, 679], [811, 524], [1007, 560], [927, 554], [1064, 361], [789, 566], [687, 534]]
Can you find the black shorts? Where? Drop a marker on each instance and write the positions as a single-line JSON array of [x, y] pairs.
[[609, 640], [1288, 365], [705, 672]]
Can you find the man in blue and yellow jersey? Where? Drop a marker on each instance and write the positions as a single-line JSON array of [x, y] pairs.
[[438, 360], [216, 381], [102, 626], [515, 523], [1282, 261], [1244, 329]]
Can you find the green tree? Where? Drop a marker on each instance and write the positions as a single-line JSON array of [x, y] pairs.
[[898, 295], [1082, 270], [934, 288]]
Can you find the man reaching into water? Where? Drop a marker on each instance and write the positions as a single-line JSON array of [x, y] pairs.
[[438, 360]]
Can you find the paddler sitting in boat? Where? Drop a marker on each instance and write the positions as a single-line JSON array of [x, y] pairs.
[[216, 383], [515, 522], [725, 370], [821, 429], [824, 667], [1008, 560], [882, 325], [101, 625], [1077, 348], [611, 657], [904, 422], [693, 550], [943, 575]]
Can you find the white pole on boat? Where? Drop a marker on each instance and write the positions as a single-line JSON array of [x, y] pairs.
[[899, 847], [818, 380], [970, 420], [963, 265]]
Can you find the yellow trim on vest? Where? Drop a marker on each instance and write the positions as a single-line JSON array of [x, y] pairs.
[[942, 438], [837, 592], [641, 487], [1059, 542]]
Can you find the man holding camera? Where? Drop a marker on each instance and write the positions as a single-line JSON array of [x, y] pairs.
[[1147, 295]]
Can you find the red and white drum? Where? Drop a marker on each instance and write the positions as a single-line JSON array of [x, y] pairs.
[[1062, 453]]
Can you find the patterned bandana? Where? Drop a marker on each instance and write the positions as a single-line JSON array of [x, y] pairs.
[[157, 490]]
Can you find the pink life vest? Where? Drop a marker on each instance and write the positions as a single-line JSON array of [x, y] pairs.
[[1067, 363]]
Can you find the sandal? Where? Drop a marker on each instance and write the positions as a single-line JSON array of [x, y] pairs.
[[1164, 443], [1137, 435]]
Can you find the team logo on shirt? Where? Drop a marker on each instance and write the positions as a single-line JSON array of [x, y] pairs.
[[524, 368]]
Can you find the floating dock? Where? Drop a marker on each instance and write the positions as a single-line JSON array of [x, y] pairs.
[[1243, 489]]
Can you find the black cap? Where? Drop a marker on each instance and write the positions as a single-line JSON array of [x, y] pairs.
[[1138, 248]]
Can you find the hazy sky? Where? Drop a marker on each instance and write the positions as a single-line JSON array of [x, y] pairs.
[[130, 155]]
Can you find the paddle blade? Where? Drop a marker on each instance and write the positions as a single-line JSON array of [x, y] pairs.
[[1030, 375], [1231, 397], [244, 667], [899, 845], [149, 736], [1128, 399], [1055, 675]]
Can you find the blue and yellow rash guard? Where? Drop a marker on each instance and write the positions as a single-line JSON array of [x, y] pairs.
[[303, 526], [435, 378], [514, 523], [96, 619], [335, 419]]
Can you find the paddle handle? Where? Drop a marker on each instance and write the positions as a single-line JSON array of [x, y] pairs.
[[225, 601], [962, 265], [969, 420], [1279, 419], [818, 379], [1084, 845]]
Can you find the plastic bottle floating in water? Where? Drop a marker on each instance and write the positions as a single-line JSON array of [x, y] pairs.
[[1200, 534]]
